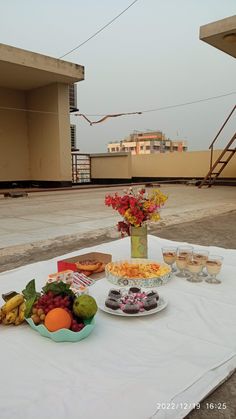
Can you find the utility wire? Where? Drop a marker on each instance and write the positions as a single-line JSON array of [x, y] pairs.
[[189, 103], [179, 104], [7, 108], [100, 30]]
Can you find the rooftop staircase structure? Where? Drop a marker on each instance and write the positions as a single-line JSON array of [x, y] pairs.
[[217, 167]]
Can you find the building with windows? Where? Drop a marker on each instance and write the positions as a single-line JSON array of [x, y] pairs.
[[147, 143]]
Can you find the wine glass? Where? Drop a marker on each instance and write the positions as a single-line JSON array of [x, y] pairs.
[[213, 266], [169, 255], [194, 266], [184, 253], [202, 256]]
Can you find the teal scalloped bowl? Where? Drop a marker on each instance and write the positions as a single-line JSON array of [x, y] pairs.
[[64, 335]]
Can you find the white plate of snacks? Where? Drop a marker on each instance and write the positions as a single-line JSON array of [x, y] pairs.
[[131, 302]]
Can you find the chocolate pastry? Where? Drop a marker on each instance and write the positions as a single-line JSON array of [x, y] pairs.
[[131, 308], [115, 294], [134, 290], [111, 303], [153, 294], [150, 304]]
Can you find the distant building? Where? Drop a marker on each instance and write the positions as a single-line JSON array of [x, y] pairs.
[[147, 143]]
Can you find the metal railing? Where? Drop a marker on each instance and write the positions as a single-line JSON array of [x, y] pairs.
[[81, 167], [211, 147], [213, 165]]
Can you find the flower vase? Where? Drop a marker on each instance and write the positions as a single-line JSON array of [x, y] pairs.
[[139, 245]]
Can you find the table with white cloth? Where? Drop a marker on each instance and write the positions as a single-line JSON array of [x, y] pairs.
[[155, 366]]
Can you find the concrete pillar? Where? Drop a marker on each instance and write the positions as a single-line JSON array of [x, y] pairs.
[[49, 135], [14, 151]]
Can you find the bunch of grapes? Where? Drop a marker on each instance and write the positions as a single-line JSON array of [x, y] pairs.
[[76, 325], [47, 302]]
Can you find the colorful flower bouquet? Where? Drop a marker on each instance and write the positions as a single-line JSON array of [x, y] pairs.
[[136, 208]]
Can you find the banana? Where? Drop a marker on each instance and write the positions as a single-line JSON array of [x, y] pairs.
[[18, 321], [21, 315], [12, 303], [12, 315]]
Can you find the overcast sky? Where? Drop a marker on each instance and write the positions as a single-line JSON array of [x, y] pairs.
[[150, 57]]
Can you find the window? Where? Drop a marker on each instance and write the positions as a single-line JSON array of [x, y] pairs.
[[73, 96], [73, 136]]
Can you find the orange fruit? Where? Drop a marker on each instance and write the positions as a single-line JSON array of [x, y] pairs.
[[56, 319]]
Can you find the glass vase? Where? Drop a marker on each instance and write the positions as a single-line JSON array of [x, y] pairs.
[[139, 242]]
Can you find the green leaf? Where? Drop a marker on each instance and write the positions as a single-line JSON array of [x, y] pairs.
[[30, 295], [58, 288], [29, 290], [29, 304]]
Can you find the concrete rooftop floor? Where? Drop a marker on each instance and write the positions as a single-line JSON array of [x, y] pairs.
[[47, 224], [45, 216]]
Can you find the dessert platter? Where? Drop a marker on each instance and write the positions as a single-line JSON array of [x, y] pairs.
[[131, 302], [138, 272]]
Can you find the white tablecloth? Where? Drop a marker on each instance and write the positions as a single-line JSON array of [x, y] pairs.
[[127, 367]]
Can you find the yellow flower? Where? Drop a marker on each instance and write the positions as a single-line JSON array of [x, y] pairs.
[[155, 216], [146, 205], [157, 197], [131, 218]]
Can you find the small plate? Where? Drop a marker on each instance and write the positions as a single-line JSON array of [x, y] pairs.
[[64, 335], [162, 303]]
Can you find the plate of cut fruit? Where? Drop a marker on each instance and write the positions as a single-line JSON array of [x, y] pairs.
[[57, 313], [131, 302]]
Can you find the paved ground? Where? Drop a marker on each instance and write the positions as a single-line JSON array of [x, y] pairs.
[[45, 225], [65, 218]]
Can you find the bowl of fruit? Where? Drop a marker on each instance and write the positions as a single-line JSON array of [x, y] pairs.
[[57, 313]]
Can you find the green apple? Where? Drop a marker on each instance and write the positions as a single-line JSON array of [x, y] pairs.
[[85, 306]]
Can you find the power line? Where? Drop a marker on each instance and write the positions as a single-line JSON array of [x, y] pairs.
[[189, 103], [100, 30], [7, 108], [178, 104]]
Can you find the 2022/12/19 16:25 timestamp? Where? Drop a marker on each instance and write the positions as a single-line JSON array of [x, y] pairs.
[[192, 406]]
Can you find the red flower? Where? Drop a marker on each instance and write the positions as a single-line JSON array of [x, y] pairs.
[[140, 206]]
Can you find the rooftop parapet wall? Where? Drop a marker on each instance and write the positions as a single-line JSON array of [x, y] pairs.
[[111, 166], [191, 164]]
